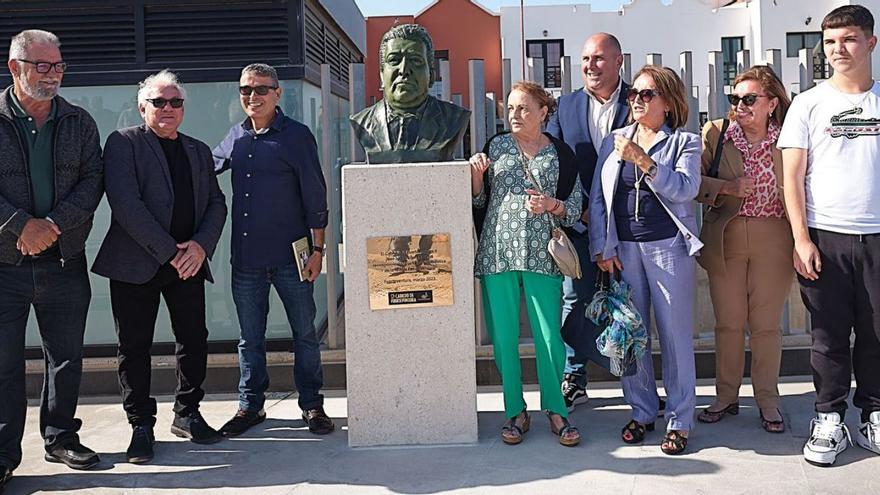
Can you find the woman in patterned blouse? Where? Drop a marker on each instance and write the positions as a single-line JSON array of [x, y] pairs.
[[525, 183], [748, 244]]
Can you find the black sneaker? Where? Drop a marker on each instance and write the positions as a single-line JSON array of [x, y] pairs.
[[5, 475], [74, 454], [140, 450], [318, 421], [242, 421], [572, 392], [194, 428]]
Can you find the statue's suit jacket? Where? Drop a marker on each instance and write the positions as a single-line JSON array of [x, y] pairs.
[[442, 125]]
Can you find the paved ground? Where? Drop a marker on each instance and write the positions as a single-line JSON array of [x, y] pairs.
[[734, 456]]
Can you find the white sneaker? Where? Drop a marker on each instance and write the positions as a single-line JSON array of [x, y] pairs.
[[868, 436], [828, 437]]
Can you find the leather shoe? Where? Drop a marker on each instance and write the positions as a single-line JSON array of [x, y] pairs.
[[5, 475], [194, 428], [318, 421], [242, 421], [140, 450], [74, 454]]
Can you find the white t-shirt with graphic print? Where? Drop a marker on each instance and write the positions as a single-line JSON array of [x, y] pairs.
[[841, 133]]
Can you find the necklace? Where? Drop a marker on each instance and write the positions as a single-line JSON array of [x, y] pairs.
[[857, 105], [638, 182]]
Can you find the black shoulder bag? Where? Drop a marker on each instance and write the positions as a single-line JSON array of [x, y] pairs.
[[716, 160]]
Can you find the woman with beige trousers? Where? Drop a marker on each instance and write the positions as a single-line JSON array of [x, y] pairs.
[[748, 243]]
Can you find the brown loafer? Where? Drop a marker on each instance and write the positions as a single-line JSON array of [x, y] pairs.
[[318, 421]]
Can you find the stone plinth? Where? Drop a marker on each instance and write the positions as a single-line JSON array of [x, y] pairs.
[[411, 374]]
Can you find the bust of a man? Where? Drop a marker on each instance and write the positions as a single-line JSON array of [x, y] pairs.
[[409, 125]]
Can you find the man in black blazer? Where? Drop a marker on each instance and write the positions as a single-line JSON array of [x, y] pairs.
[[582, 120], [168, 213]]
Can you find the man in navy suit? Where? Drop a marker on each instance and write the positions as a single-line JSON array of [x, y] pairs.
[[583, 120]]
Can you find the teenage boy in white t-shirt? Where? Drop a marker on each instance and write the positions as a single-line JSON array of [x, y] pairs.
[[831, 160]]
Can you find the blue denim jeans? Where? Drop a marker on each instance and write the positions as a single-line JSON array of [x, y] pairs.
[[578, 332], [250, 291], [60, 297]]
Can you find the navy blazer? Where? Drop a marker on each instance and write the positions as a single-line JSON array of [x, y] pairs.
[[570, 123], [141, 197]]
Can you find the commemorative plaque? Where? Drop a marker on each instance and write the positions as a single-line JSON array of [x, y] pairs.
[[409, 271]]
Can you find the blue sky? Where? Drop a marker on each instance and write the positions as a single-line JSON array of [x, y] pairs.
[[410, 7]]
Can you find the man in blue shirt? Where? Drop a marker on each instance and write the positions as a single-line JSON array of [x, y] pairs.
[[278, 197]]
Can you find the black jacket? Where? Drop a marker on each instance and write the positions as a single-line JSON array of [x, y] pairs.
[[141, 197]]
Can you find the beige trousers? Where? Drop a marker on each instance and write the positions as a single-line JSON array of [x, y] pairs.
[[758, 259]]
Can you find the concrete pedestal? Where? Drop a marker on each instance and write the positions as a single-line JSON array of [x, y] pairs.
[[411, 374]]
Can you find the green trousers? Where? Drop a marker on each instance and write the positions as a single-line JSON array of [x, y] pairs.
[[543, 296]]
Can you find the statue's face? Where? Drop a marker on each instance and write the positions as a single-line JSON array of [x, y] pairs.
[[406, 75]]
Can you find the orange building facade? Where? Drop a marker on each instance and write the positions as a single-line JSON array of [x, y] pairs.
[[461, 30]]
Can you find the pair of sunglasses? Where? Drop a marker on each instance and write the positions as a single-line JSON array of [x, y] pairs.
[[748, 100], [161, 102], [260, 90], [646, 95]]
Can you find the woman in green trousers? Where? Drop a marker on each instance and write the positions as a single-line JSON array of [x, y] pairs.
[[523, 183]]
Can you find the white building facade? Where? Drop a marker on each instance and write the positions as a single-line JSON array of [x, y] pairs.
[[647, 27]]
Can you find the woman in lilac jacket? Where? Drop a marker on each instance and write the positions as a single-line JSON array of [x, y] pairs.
[[643, 224]]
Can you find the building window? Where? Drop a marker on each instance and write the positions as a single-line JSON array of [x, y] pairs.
[[551, 51], [795, 42], [730, 47]]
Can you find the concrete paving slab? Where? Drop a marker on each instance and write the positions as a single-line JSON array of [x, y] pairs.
[[280, 456]]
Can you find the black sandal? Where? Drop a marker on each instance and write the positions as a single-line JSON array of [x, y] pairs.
[[511, 434], [569, 436], [708, 416], [777, 426], [636, 431], [676, 441]]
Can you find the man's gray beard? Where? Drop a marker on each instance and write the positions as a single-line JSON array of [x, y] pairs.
[[36, 92]]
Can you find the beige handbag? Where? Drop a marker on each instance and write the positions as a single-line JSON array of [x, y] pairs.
[[560, 247]]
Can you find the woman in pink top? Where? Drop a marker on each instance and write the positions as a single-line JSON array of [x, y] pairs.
[[748, 243]]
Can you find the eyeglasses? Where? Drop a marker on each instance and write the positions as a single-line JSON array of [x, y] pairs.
[[260, 90], [646, 95], [161, 102], [748, 100], [44, 67]]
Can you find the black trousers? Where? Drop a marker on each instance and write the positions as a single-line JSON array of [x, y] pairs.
[[135, 307], [845, 297]]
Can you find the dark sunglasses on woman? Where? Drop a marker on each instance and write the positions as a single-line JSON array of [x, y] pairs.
[[748, 100], [260, 90], [646, 95]]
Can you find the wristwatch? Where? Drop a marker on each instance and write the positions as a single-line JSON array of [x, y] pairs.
[[318, 249]]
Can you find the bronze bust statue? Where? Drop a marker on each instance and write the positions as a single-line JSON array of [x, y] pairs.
[[409, 125]]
